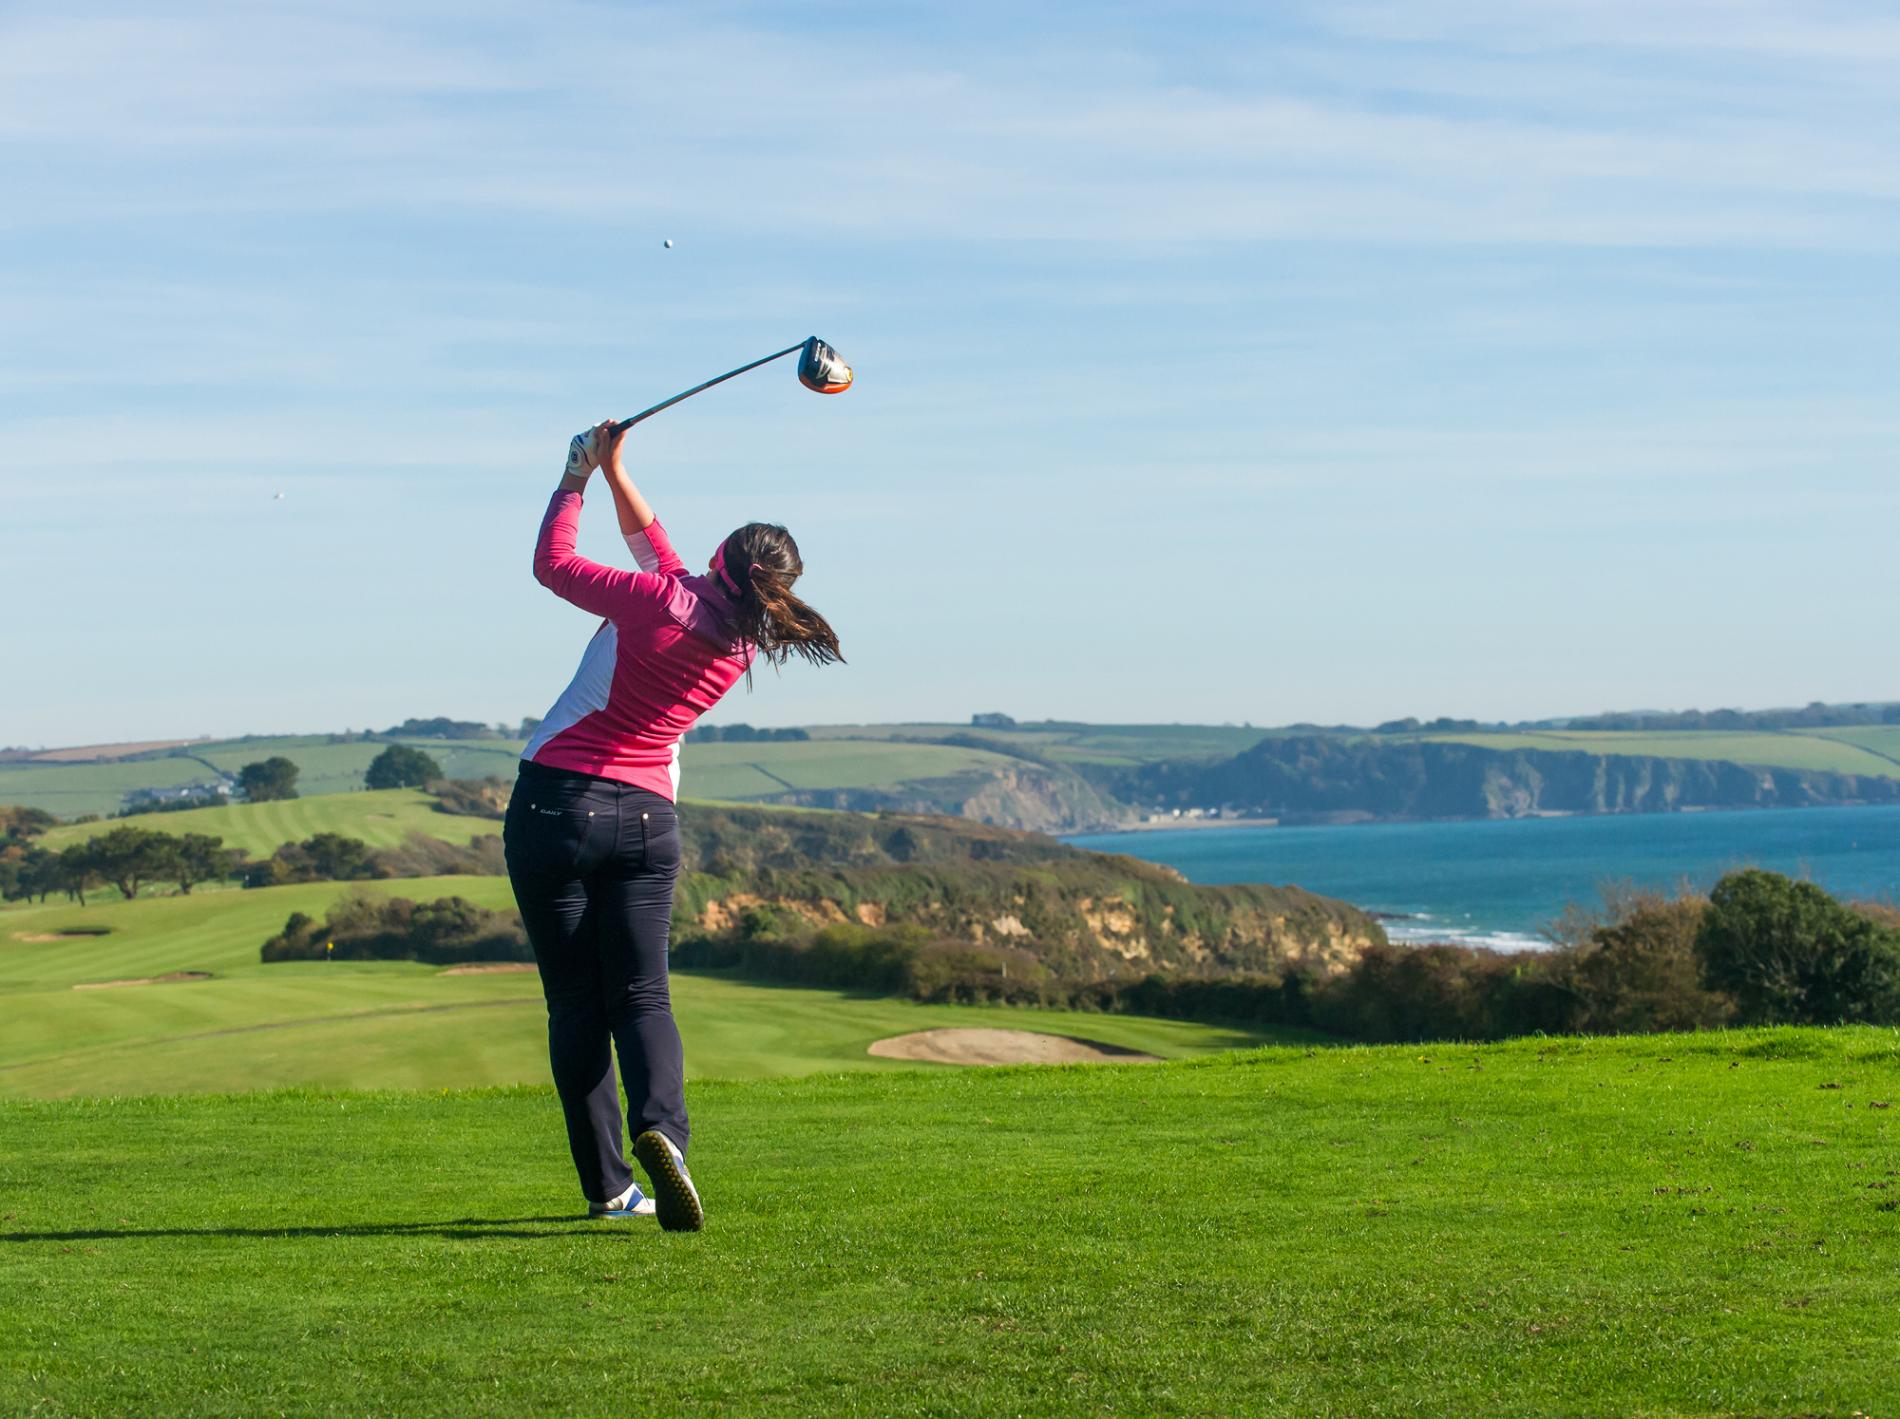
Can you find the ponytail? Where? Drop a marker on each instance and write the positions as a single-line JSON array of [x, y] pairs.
[[759, 563]]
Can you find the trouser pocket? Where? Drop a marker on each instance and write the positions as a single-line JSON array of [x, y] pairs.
[[660, 838], [550, 828]]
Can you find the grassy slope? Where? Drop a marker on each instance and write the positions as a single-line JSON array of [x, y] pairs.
[[381, 819], [394, 1024], [740, 771], [1882, 739], [1078, 743], [72, 789], [1668, 1226], [1823, 750]]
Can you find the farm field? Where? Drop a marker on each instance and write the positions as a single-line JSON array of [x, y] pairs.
[[739, 771], [348, 1024], [1881, 739], [1663, 1226], [72, 789], [712, 770], [1821, 750], [1080, 743], [381, 818]]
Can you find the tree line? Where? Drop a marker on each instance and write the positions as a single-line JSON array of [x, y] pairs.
[[132, 859], [126, 858]]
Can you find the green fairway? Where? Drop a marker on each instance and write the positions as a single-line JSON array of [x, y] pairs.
[[395, 1024], [381, 818], [1668, 1226], [1830, 751]]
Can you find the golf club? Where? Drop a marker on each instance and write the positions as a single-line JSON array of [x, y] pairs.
[[819, 369]]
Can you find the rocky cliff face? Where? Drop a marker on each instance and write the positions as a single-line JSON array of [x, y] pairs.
[[1430, 779], [1084, 915]]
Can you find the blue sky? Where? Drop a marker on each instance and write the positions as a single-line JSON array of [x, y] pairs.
[[1217, 362]]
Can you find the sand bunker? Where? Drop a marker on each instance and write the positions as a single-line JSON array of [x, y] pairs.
[[491, 968], [77, 933], [167, 979], [1004, 1047]]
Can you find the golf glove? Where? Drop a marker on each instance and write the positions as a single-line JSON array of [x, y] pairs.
[[583, 454]]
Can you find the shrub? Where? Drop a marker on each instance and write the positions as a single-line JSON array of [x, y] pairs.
[[472, 798], [326, 857], [1411, 993], [1639, 973], [1790, 954], [420, 856], [446, 931]]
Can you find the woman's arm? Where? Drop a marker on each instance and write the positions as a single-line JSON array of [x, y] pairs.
[[639, 525], [636, 515], [606, 591]]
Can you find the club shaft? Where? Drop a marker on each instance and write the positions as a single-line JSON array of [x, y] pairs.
[[626, 424]]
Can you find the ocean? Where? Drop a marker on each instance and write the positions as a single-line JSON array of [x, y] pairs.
[[1498, 883]]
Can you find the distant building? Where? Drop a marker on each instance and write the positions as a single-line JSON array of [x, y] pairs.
[[182, 795]]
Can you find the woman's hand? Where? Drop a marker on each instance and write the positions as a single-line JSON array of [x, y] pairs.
[[584, 452], [607, 442]]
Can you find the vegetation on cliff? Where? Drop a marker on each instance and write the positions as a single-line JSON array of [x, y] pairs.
[[1082, 915]]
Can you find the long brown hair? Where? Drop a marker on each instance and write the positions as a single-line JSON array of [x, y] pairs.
[[760, 562]]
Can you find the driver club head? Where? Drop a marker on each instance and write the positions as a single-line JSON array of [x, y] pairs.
[[821, 370]]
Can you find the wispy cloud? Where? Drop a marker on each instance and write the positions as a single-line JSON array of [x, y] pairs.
[[281, 111], [1363, 280]]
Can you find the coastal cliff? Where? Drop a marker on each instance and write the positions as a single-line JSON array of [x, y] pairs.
[[1080, 915], [1338, 777]]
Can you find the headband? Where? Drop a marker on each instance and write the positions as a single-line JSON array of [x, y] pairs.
[[719, 570]]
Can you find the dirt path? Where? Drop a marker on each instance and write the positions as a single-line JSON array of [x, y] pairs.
[[982, 1046]]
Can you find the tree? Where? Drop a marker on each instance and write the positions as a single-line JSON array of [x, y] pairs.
[[439, 727], [130, 857], [27, 871], [327, 857], [17, 822], [1790, 954], [272, 779], [198, 857], [400, 766], [76, 871]]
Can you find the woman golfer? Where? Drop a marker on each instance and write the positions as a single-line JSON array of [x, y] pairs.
[[592, 839]]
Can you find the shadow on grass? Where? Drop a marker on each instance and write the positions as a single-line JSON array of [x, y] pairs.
[[455, 1229]]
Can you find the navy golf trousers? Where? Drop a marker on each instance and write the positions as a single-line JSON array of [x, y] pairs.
[[593, 863]]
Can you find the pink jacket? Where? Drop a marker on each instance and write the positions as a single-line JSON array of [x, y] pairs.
[[662, 659]]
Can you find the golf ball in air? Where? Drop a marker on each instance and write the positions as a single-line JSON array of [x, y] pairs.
[[668, 243]]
